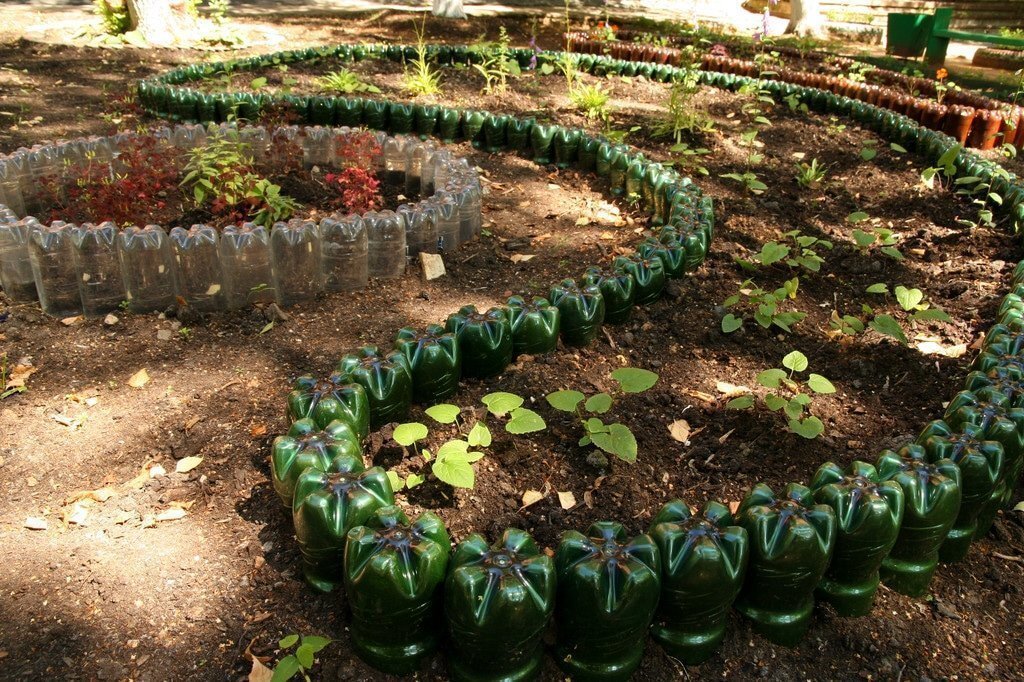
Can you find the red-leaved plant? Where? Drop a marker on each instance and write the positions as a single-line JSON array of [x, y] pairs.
[[357, 187], [136, 187]]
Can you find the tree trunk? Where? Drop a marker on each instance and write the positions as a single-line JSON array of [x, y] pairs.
[[449, 9], [806, 19], [163, 23]]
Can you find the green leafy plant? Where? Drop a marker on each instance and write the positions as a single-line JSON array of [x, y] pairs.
[[423, 78], [592, 100], [301, 661], [944, 168], [911, 302], [868, 149], [809, 174], [748, 179], [982, 195], [763, 306], [689, 157], [496, 63], [616, 438], [803, 253], [882, 238], [794, 103], [682, 115], [520, 419], [114, 16], [790, 395], [344, 81]]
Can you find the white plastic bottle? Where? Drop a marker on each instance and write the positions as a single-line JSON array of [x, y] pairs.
[[344, 248], [245, 257], [15, 263], [97, 267], [53, 268], [385, 236], [296, 260], [200, 273]]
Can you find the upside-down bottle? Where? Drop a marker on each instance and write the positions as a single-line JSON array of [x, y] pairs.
[[385, 236], [200, 271], [296, 260], [344, 248], [53, 268], [245, 256], [147, 265], [97, 267], [15, 263]]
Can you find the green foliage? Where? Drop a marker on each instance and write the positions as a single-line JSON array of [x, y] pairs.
[[301, 661], [496, 63], [748, 179], [114, 16], [944, 168], [423, 78], [273, 206], [882, 238], [592, 100], [789, 395], [616, 438], [443, 413], [682, 115], [803, 253], [809, 174], [345, 82], [689, 156], [911, 303], [452, 464], [763, 306], [868, 151]]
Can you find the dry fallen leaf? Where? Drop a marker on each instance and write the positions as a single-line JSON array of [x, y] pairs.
[[532, 497], [933, 348], [567, 500], [35, 523], [725, 436], [260, 672], [521, 257], [99, 495], [171, 514], [258, 430], [680, 430], [731, 390], [187, 464], [139, 379], [734, 506], [19, 374], [71, 321], [582, 221]]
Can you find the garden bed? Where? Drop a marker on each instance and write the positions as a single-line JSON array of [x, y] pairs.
[[238, 587]]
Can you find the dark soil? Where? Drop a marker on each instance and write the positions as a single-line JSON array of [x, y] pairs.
[[121, 593]]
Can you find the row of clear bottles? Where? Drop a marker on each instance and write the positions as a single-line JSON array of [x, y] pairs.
[[92, 269]]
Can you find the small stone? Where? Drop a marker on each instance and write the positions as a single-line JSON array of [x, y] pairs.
[[111, 319], [432, 266], [163, 335], [71, 321]]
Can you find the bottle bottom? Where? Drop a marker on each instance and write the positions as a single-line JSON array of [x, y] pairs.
[[850, 600], [786, 628], [910, 578]]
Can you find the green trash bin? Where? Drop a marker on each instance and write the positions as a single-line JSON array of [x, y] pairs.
[[907, 34]]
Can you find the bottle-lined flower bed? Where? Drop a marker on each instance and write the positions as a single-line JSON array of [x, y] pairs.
[[974, 120], [242, 238]]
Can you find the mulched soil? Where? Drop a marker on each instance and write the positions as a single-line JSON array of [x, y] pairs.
[[124, 595]]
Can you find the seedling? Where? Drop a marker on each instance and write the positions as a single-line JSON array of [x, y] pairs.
[[615, 439], [802, 254], [300, 662], [689, 156], [882, 238], [496, 64], [763, 306], [911, 301], [345, 81], [867, 150], [748, 180], [422, 79], [788, 395], [809, 174]]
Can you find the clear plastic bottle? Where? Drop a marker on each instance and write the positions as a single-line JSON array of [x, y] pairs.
[[394, 161], [97, 267], [416, 157], [147, 263], [257, 139], [317, 147], [200, 273], [296, 258], [470, 219], [53, 268], [344, 247], [15, 263], [385, 237], [428, 172], [18, 185], [448, 224], [10, 188], [245, 257], [420, 229]]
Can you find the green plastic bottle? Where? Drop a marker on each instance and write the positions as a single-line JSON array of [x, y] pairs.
[[541, 138], [1009, 381], [448, 123], [325, 508], [648, 275], [400, 118], [434, 361], [982, 470], [868, 513], [617, 174], [485, 340], [330, 399], [332, 449], [472, 124], [386, 380], [494, 132], [518, 133], [581, 309], [498, 601], [394, 575], [534, 325], [567, 144], [587, 161], [704, 561], [608, 588], [931, 494], [321, 111], [671, 253], [791, 542], [375, 114], [348, 111], [425, 119], [618, 289]]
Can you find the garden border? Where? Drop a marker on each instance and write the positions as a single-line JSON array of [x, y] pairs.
[[934, 146]]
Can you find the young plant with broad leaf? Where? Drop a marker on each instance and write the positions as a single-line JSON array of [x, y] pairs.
[[615, 438], [301, 661], [789, 395], [763, 306]]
